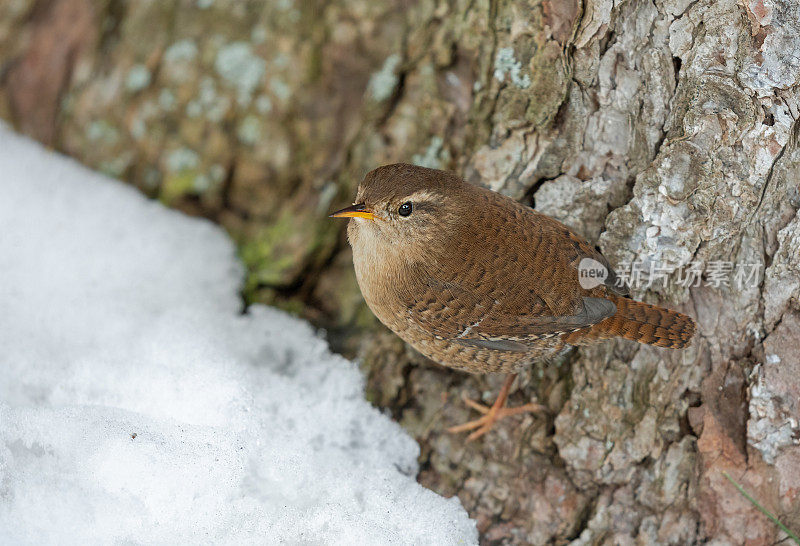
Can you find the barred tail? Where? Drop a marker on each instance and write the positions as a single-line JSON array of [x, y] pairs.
[[640, 322]]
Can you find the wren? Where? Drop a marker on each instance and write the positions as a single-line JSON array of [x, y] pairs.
[[479, 282]]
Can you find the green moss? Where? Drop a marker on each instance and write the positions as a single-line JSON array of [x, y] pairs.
[[292, 306], [265, 255], [279, 252], [549, 86], [177, 185]]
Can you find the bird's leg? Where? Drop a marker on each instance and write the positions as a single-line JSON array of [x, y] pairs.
[[495, 413]]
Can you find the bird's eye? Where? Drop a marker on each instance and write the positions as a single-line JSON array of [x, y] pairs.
[[405, 209]]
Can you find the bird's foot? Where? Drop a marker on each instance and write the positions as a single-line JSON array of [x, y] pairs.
[[491, 416]]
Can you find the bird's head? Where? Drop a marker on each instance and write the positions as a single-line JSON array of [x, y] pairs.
[[403, 209]]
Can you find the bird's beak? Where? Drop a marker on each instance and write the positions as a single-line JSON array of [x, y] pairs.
[[359, 210]]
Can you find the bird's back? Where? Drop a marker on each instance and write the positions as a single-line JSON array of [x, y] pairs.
[[514, 261]]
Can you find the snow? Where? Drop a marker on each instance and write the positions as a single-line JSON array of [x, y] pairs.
[[139, 405]]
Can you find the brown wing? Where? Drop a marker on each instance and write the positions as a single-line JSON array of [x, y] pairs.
[[507, 279]]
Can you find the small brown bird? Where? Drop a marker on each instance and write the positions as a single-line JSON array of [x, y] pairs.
[[478, 282]]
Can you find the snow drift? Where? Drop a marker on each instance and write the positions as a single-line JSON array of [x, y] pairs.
[[138, 405]]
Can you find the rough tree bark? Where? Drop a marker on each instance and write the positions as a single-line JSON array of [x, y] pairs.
[[664, 131]]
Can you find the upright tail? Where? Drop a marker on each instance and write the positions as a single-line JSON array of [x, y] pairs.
[[640, 322]]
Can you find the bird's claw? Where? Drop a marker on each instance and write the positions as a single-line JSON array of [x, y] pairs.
[[490, 416]]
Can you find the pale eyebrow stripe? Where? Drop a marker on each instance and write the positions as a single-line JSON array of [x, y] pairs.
[[424, 195]]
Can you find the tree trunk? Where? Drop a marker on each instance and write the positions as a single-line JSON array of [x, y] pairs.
[[665, 132]]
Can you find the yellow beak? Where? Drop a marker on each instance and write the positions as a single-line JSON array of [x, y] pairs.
[[359, 210]]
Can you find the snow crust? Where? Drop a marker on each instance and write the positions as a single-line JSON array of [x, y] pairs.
[[139, 406]]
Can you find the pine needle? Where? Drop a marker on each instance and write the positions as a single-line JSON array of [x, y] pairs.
[[762, 509]]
